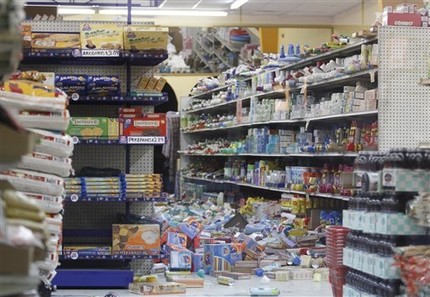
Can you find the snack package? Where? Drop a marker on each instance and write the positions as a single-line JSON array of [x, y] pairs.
[[103, 86], [30, 95], [150, 125], [138, 38], [34, 182], [46, 163], [101, 36], [49, 204], [55, 40], [135, 239], [58, 121], [54, 144], [93, 127], [72, 85]]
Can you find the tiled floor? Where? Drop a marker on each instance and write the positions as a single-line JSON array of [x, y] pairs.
[[212, 288]]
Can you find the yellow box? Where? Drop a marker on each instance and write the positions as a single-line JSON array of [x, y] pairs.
[[113, 128], [152, 83], [143, 82], [54, 40], [134, 239], [101, 36], [160, 84], [138, 38]]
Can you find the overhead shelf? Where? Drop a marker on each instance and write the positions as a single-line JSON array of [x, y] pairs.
[[100, 57], [136, 140], [281, 190], [76, 256], [350, 115], [105, 198], [300, 155], [152, 99]]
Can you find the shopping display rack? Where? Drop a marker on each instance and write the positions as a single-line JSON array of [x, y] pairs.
[[88, 219]]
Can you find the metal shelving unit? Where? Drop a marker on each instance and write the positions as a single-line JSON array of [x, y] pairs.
[[129, 154], [234, 130]]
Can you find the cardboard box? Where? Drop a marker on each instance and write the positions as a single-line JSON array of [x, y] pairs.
[[89, 127], [143, 82], [99, 85], [139, 38], [26, 36], [160, 84], [236, 275], [134, 239], [371, 94], [198, 262], [150, 125], [180, 258], [157, 288], [54, 40], [220, 257], [101, 36], [73, 85], [189, 280], [402, 19], [302, 273], [151, 84]]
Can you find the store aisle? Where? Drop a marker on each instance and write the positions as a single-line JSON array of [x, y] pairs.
[[304, 288]]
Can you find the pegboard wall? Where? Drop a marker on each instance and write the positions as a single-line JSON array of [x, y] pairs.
[[101, 215], [404, 105]]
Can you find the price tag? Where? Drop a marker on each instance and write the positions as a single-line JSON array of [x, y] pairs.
[[146, 139], [99, 53]]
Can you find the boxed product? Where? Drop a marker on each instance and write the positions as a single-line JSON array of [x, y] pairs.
[[138, 38], [143, 82], [220, 257], [101, 36], [92, 127], [401, 19], [26, 36], [72, 85], [134, 239], [103, 85], [180, 258], [160, 84], [157, 288], [177, 239], [190, 280], [197, 262], [54, 40], [150, 125], [131, 112], [151, 84]]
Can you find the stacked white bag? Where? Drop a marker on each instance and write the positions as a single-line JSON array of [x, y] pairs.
[[40, 175]]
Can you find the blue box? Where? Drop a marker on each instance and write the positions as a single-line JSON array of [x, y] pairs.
[[180, 258], [220, 257], [197, 262]]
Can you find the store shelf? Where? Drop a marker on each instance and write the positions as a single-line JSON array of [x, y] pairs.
[[339, 81], [17, 284], [349, 49], [152, 99], [300, 155], [93, 278], [425, 82], [271, 94], [105, 198], [76, 257], [123, 140], [226, 44], [343, 116], [281, 190], [224, 61], [208, 94], [90, 57]]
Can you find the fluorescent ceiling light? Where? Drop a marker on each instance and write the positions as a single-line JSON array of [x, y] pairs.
[[162, 4], [74, 10], [156, 12], [197, 4], [238, 3]]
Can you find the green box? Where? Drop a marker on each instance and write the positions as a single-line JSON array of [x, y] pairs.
[[89, 127]]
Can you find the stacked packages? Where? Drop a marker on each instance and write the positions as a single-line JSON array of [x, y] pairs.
[[39, 175]]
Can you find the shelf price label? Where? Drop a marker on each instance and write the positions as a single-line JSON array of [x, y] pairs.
[[99, 53], [146, 139]]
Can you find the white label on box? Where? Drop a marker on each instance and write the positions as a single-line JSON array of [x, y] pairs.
[[368, 263], [369, 221], [146, 139], [99, 53], [389, 177]]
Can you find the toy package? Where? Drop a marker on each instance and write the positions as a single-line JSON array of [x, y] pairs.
[[101, 36]]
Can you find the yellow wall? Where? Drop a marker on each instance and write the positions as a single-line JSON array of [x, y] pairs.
[[182, 84], [310, 36]]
